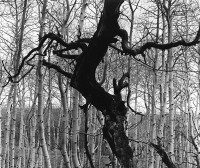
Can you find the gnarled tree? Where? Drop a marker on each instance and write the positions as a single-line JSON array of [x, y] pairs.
[[83, 75]]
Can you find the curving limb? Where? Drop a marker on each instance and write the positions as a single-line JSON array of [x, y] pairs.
[[52, 37], [140, 50], [57, 68]]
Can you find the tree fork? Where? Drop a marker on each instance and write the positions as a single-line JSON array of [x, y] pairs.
[[83, 79]]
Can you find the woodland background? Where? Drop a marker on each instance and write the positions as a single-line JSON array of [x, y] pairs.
[[165, 87]]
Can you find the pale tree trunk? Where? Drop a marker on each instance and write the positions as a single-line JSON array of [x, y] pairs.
[[40, 158], [75, 129], [65, 117], [187, 127], [16, 58], [153, 114], [198, 96], [24, 154], [155, 83], [49, 111], [43, 143], [180, 144], [171, 92], [36, 163], [100, 119], [64, 124], [99, 154], [75, 117], [57, 139], [21, 131], [31, 163], [13, 124], [61, 164], [5, 154], [136, 117], [163, 92], [92, 133], [54, 144], [146, 125], [1, 89], [188, 113]]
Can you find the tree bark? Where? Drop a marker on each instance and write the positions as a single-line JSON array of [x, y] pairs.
[[32, 122], [21, 145], [5, 154], [75, 158], [16, 58], [75, 113], [64, 124], [40, 95], [171, 92], [84, 81], [1, 89]]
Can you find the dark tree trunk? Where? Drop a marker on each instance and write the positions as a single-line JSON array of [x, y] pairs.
[[83, 79]]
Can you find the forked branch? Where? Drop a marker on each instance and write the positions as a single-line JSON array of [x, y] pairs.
[[52, 37], [128, 50]]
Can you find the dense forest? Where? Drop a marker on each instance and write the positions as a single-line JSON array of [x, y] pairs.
[[100, 84]]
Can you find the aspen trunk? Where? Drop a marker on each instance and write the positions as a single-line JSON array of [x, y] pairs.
[[21, 132], [171, 92], [153, 114], [65, 117], [13, 130], [49, 112], [93, 131], [1, 89], [16, 59], [32, 123], [155, 83], [163, 90], [75, 129], [43, 143], [99, 154], [64, 124], [75, 100], [40, 158], [58, 138], [5, 155]]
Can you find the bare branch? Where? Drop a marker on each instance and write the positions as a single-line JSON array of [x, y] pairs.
[[53, 37], [123, 34], [57, 68]]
